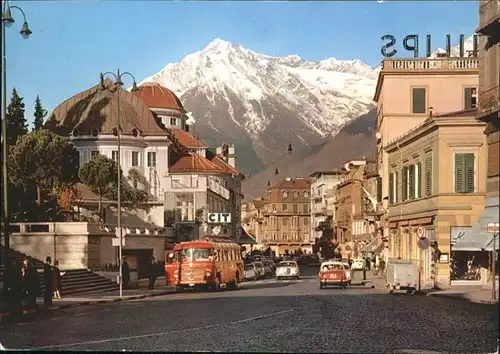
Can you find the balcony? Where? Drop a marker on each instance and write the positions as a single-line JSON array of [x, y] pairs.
[[488, 102], [489, 17], [217, 188], [429, 65], [175, 184]]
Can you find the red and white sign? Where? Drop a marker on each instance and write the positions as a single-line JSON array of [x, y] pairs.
[[493, 227]]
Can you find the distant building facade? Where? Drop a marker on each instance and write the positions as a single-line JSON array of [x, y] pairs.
[[287, 223]]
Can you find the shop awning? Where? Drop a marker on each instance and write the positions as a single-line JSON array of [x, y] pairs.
[[246, 239], [477, 237]]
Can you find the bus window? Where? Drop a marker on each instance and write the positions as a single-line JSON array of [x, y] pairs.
[[170, 258]]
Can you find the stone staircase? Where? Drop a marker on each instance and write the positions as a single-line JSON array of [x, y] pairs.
[[74, 281]]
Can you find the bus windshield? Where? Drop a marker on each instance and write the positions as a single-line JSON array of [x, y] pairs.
[[196, 254]]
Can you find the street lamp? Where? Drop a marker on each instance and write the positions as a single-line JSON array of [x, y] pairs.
[[7, 21], [119, 83]]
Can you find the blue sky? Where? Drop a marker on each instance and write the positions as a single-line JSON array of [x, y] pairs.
[[73, 41]]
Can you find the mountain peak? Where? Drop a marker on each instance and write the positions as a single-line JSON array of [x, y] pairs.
[[218, 44]]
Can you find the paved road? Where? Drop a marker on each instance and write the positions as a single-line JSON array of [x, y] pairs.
[[294, 316]]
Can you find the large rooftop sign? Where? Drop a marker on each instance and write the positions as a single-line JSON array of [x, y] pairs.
[[411, 43]]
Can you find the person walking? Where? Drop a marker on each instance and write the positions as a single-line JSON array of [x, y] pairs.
[[152, 273], [56, 280], [13, 272], [32, 283], [47, 280]]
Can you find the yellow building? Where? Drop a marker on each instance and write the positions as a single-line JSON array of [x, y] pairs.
[[437, 180]]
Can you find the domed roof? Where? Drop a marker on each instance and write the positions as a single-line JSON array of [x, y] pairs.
[[97, 109], [156, 96]]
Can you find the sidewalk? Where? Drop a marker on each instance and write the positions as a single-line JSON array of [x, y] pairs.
[[476, 294], [96, 299]]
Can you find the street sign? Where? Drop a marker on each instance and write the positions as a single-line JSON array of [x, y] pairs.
[[115, 242], [421, 232], [118, 230], [493, 227], [424, 243], [219, 218], [216, 230]]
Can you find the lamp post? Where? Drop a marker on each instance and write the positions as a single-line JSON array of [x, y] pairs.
[[7, 21], [119, 83]]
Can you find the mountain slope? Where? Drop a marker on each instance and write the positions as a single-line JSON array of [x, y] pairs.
[[355, 140], [262, 103]]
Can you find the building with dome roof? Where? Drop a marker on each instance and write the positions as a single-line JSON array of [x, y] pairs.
[[182, 175]]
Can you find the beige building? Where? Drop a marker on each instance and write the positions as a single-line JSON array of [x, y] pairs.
[[408, 90], [477, 237], [323, 184], [437, 174], [286, 215], [252, 219]]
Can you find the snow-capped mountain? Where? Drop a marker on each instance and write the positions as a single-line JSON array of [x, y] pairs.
[[455, 51], [261, 103]]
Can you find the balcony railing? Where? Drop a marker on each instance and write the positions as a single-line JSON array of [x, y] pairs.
[[216, 187], [489, 13], [179, 185], [488, 101], [430, 65]]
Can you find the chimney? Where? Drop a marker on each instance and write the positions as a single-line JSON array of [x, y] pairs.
[[231, 156]]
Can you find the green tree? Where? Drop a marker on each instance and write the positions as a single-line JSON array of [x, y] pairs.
[[99, 174], [16, 122], [45, 160], [39, 114]]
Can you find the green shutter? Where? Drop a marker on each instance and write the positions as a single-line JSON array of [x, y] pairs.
[[418, 100], [419, 180], [469, 173], [459, 173], [428, 175], [391, 188], [396, 187], [468, 98], [379, 189], [411, 181], [404, 183]]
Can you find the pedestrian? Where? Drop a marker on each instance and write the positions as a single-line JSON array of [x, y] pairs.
[[47, 280], [152, 273], [32, 283], [365, 266], [14, 279], [56, 280], [125, 272]]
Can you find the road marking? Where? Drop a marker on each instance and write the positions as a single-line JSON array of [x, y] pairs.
[[80, 314], [57, 318], [25, 323], [118, 339]]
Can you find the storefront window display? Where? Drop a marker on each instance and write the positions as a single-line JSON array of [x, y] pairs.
[[467, 265]]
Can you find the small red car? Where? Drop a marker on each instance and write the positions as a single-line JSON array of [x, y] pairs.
[[333, 273]]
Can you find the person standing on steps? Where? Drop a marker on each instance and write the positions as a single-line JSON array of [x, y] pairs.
[[47, 280], [32, 283], [125, 272]]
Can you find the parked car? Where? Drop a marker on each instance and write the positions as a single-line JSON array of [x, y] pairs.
[[269, 267], [358, 264], [287, 269], [333, 273], [251, 272], [259, 267]]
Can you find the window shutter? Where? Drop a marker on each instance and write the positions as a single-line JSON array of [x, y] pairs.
[[428, 175], [391, 188], [469, 173], [419, 180], [418, 100], [379, 189], [396, 187], [404, 183], [411, 181], [468, 98], [459, 173]]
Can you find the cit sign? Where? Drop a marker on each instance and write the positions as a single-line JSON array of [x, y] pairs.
[[219, 218]]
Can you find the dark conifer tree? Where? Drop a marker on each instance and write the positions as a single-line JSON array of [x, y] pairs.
[[39, 114], [16, 122]]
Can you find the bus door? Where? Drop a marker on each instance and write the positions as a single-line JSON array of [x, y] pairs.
[[171, 267]]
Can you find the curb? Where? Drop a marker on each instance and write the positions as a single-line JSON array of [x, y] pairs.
[[89, 303], [463, 297]]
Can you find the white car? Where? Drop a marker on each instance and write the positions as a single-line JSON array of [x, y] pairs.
[[251, 272], [348, 271], [259, 269], [358, 264], [287, 269]]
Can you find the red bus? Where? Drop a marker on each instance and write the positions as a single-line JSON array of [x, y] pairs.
[[205, 263]]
